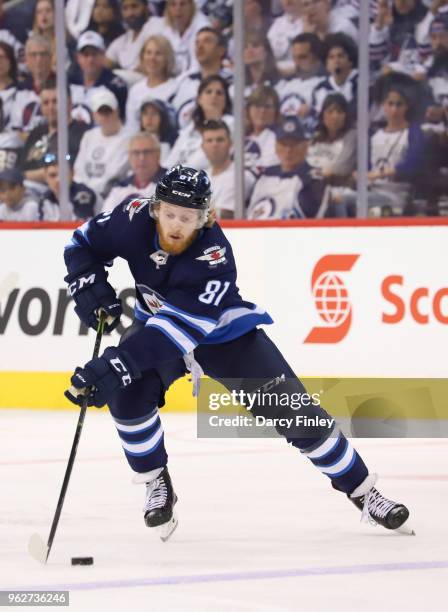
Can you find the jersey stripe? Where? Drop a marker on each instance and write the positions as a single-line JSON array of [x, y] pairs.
[[200, 323], [180, 338], [144, 447], [137, 428], [231, 314]]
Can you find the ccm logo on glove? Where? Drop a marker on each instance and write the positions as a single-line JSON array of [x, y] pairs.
[[119, 366], [81, 282]]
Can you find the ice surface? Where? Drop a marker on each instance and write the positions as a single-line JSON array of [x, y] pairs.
[[259, 528]]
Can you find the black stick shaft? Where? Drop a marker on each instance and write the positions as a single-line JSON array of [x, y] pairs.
[[71, 460]]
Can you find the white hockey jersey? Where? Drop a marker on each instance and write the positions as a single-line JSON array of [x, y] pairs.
[[101, 159], [223, 188], [259, 150], [183, 45], [280, 195], [26, 210], [296, 92], [187, 150]]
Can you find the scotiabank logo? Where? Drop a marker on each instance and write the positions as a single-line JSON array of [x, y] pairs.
[[423, 304], [331, 299]]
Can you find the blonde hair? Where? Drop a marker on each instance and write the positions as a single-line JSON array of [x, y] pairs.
[[212, 218], [163, 45], [211, 214]]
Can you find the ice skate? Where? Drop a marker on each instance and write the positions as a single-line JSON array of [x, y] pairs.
[[159, 505], [378, 510]]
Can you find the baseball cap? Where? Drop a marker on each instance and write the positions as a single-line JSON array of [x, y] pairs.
[[439, 24], [104, 97], [290, 128], [90, 39], [12, 175]]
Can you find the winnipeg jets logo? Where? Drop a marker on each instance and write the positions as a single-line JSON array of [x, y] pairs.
[[152, 300], [135, 206], [159, 257], [214, 255]]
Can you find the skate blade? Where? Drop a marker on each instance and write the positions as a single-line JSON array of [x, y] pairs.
[[405, 529], [166, 530], [37, 548]]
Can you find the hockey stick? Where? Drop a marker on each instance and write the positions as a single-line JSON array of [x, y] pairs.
[[36, 546]]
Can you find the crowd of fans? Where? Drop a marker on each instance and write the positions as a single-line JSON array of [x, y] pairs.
[[150, 85]]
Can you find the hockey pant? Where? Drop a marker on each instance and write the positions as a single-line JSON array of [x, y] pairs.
[[246, 363]]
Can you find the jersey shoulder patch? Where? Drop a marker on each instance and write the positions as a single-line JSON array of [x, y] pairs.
[[134, 206], [214, 255]]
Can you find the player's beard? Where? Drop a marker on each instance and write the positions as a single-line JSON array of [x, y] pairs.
[[174, 247]]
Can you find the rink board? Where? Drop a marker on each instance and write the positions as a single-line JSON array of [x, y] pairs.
[[379, 308]]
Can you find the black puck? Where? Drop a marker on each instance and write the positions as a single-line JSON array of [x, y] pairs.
[[82, 560]]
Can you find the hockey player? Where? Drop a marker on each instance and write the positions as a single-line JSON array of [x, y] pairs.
[[187, 300]]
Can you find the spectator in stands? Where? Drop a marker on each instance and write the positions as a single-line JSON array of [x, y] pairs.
[[43, 138], [84, 203], [38, 56], [397, 154], [8, 36], [259, 62], [106, 20], [213, 102], [8, 84], [91, 74], [38, 63], [437, 73], [158, 64], [296, 91], [319, 18], [257, 16], [438, 35], [287, 190], [332, 152], [263, 113], [43, 20], [15, 203], [102, 156], [144, 160], [11, 145], [210, 51], [341, 58], [399, 34], [157, 118], [125, 51], [282, 31], [182, 21], [217, 145]]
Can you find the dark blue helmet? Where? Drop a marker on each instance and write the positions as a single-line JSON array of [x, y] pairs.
[[185, 187]]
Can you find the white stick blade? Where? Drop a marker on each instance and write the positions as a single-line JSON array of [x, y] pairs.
[[37, 548]]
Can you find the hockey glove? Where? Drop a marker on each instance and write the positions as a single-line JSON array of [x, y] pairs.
[[92, 294], [101, 377]]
